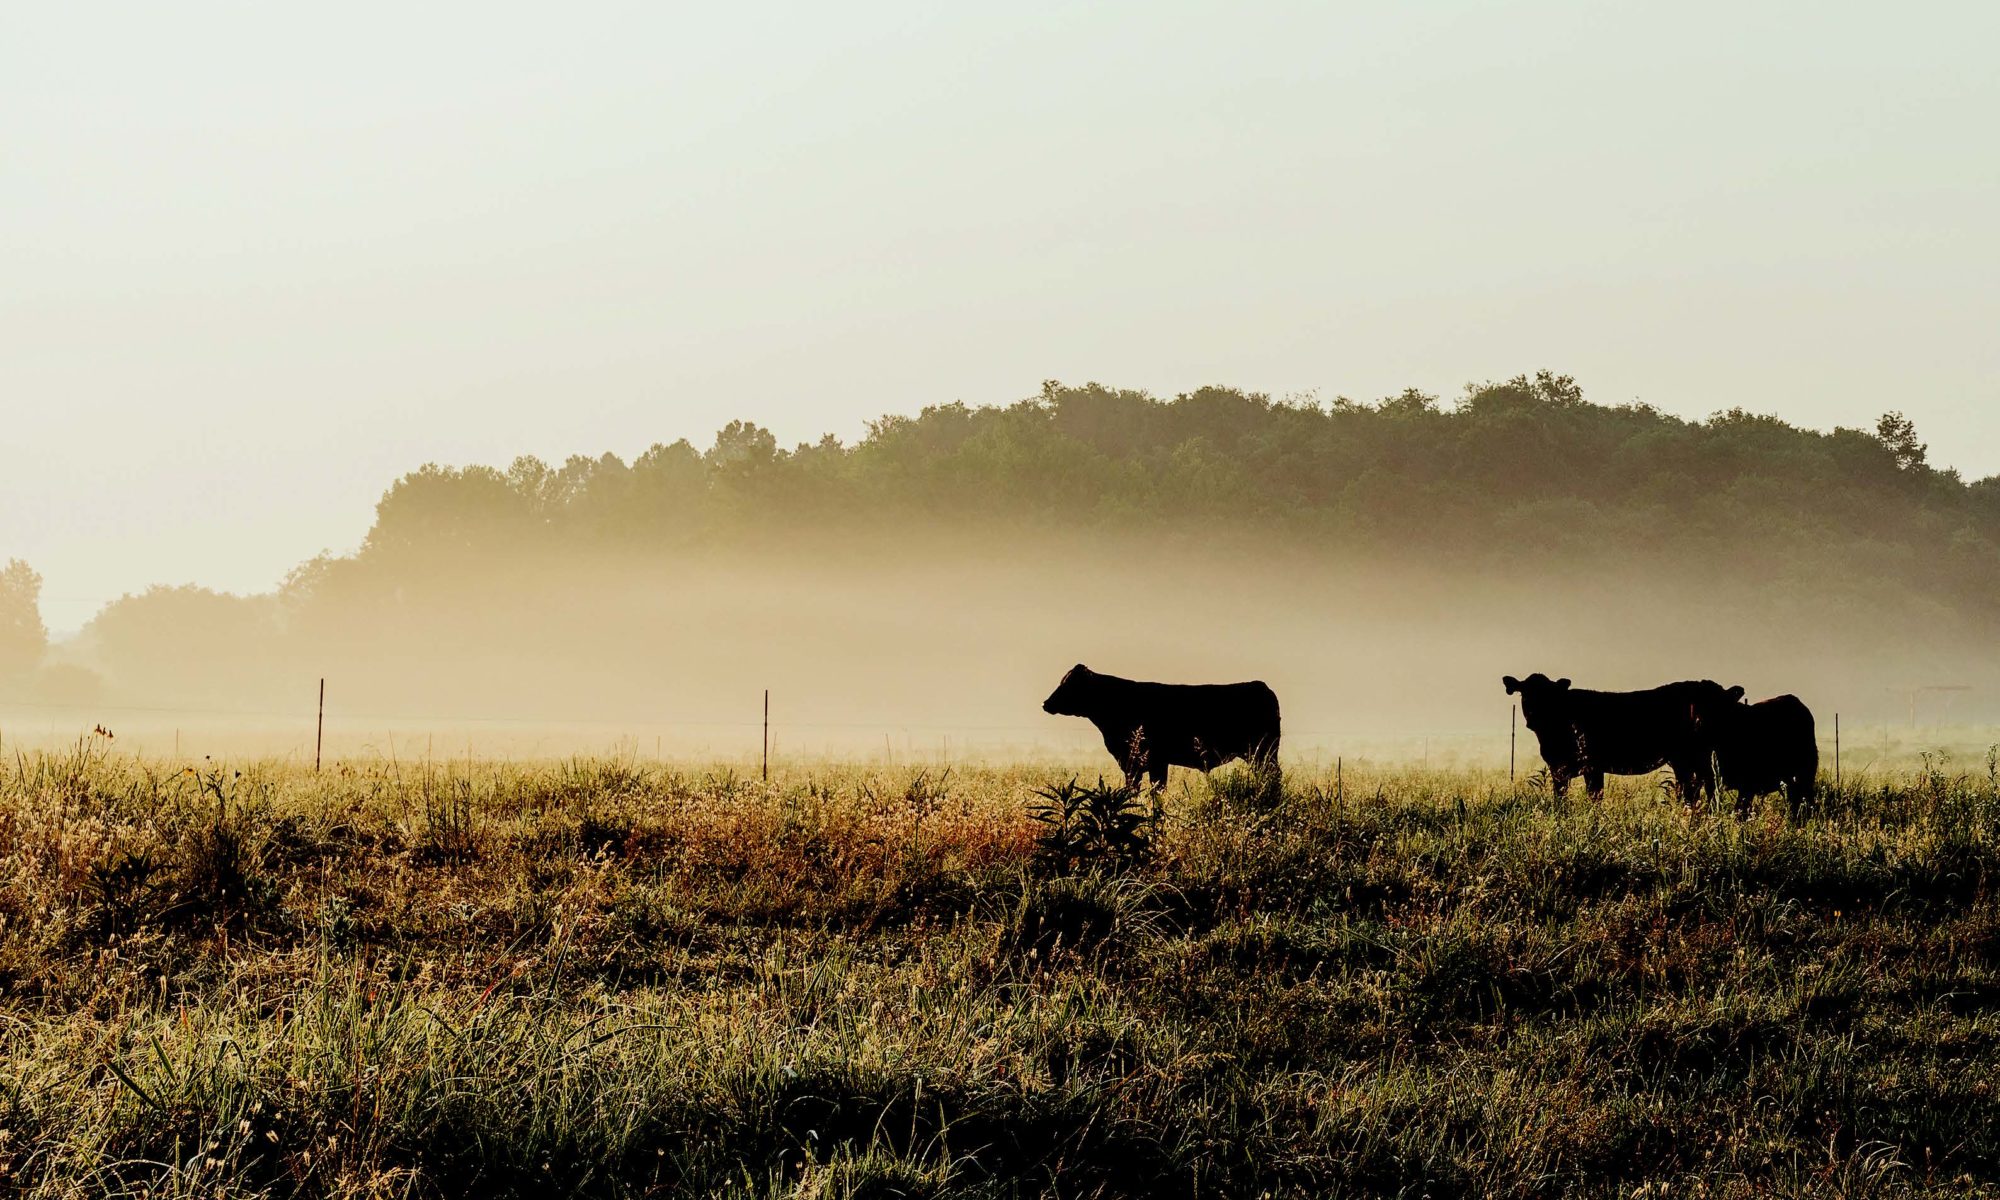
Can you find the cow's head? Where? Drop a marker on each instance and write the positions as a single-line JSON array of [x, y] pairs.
[[1540, 696], [1073, 695], [1716, 712]]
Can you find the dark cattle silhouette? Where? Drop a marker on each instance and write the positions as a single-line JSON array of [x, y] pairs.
[[1150, 726], [1769, 746], [1594, 734]]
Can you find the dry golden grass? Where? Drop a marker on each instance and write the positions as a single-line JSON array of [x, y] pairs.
[[598, 977]]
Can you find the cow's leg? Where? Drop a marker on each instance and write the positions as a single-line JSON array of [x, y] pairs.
[[1800, 790], [1158, 770], [1264, 762], [1135, 757], [1593, 784], [1746, 791], [1559, 778], [1692, 783]]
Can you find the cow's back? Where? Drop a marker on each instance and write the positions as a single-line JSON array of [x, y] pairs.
[[1624, 733], [1252, 701]]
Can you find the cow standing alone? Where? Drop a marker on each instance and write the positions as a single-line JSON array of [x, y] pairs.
[[1151, 726], [1594, 734]]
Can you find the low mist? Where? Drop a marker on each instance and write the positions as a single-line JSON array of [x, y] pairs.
[[936, 657], [916, 596]]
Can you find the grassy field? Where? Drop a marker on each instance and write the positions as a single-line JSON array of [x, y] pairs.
[[605, 978]]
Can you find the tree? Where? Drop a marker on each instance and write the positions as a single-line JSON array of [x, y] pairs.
[[23, 637], [186, 641], [743, 446], [446, 510], [1899, 434]]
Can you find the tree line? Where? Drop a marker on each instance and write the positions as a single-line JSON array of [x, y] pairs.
[[1521, 474], [1523, 471]]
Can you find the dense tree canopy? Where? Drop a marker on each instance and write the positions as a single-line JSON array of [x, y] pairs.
[[1525, 471]]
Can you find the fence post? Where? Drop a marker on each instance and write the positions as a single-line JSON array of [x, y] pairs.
[[1513, 719], [767, 735], [319, 731], [1836, 752]]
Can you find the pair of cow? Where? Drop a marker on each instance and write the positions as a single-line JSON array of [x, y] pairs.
[[1697, 728]]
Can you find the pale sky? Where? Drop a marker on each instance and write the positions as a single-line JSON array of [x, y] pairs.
[[256, 259]]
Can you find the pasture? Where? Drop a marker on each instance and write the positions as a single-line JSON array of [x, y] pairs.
[[612, 978]]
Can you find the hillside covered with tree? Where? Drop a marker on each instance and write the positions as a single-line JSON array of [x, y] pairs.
[[1558, 519], [1519, 471]]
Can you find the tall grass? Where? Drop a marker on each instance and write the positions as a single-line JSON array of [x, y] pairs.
[[600, 978]]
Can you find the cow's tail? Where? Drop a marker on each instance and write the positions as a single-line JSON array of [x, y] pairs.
[[1264, 756], [1803, 787]]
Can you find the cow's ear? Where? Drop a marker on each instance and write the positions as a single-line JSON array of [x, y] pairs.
[[1563, 684], [1513, 684], [1735, 693]]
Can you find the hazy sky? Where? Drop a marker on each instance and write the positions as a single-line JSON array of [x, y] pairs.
[[258, 259]]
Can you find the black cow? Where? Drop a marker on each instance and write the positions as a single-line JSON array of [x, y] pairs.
[[1769, 746], [1594, 734], [1151, 726]]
